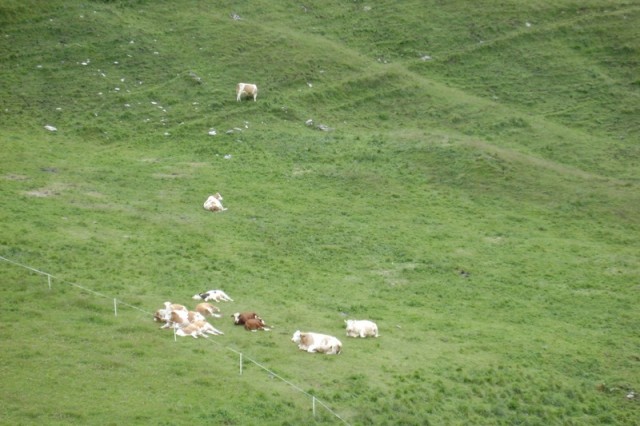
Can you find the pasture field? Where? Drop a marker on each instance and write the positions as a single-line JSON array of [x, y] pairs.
[[464, 174]]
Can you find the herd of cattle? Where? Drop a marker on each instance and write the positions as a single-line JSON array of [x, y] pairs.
[[194, 323]]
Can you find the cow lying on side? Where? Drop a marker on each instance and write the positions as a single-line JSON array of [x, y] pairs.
[[195, 329], [215, 295], [316, 342], [213, 203], [208, 310], [174, 314], [240, 318], [246, 90], [361, 328]]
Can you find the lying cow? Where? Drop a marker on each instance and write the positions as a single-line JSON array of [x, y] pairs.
[[255, 324], [161, 315], [213, 203], [316, 342], [178, 317], [240, 318], [174, 307], [246, 90], [172, 313], [195, 329], [361, 328], [208, 310], [215, 295]]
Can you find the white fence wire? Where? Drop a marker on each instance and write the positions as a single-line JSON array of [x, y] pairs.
[[242, 356]]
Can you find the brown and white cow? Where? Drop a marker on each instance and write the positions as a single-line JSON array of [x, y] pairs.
[[213, 203], [171, 314], [246, 90], [174, 307], [239, 318], [255, 324], [161, 315], [316, 342], [213, 295], [181, 319], [361, 328], [174, 313], [197, 328], [208, 310]]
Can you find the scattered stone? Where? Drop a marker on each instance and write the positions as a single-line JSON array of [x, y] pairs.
[[50, 128], [212, 132], [322, 127], [195, 77]]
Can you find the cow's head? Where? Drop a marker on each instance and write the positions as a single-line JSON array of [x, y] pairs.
[[296, 337], [161, 315]]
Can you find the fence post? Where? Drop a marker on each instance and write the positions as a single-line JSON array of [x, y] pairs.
[[115, 306], [313, 405], [49, 280], [241, 363]]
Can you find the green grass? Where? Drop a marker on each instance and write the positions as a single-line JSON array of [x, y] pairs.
[[511, 154]]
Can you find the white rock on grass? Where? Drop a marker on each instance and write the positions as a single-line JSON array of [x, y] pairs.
[[50, 128]]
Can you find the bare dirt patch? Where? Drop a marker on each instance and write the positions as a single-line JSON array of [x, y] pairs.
[[43, 192], [12, 176]]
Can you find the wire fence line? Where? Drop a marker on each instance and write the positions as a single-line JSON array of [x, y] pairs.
[[117, 302]]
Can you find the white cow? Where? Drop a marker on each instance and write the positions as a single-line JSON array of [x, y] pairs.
[[247, 90], [215, 295], [213, 203], [361, 328], [316, 342]]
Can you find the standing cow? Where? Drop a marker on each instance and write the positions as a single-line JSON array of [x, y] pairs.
[[246, 90]]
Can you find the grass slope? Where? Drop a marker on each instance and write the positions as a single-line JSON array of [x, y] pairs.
[[509, 153]]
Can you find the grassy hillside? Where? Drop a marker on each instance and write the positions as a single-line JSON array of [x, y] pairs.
[[476, 195]]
